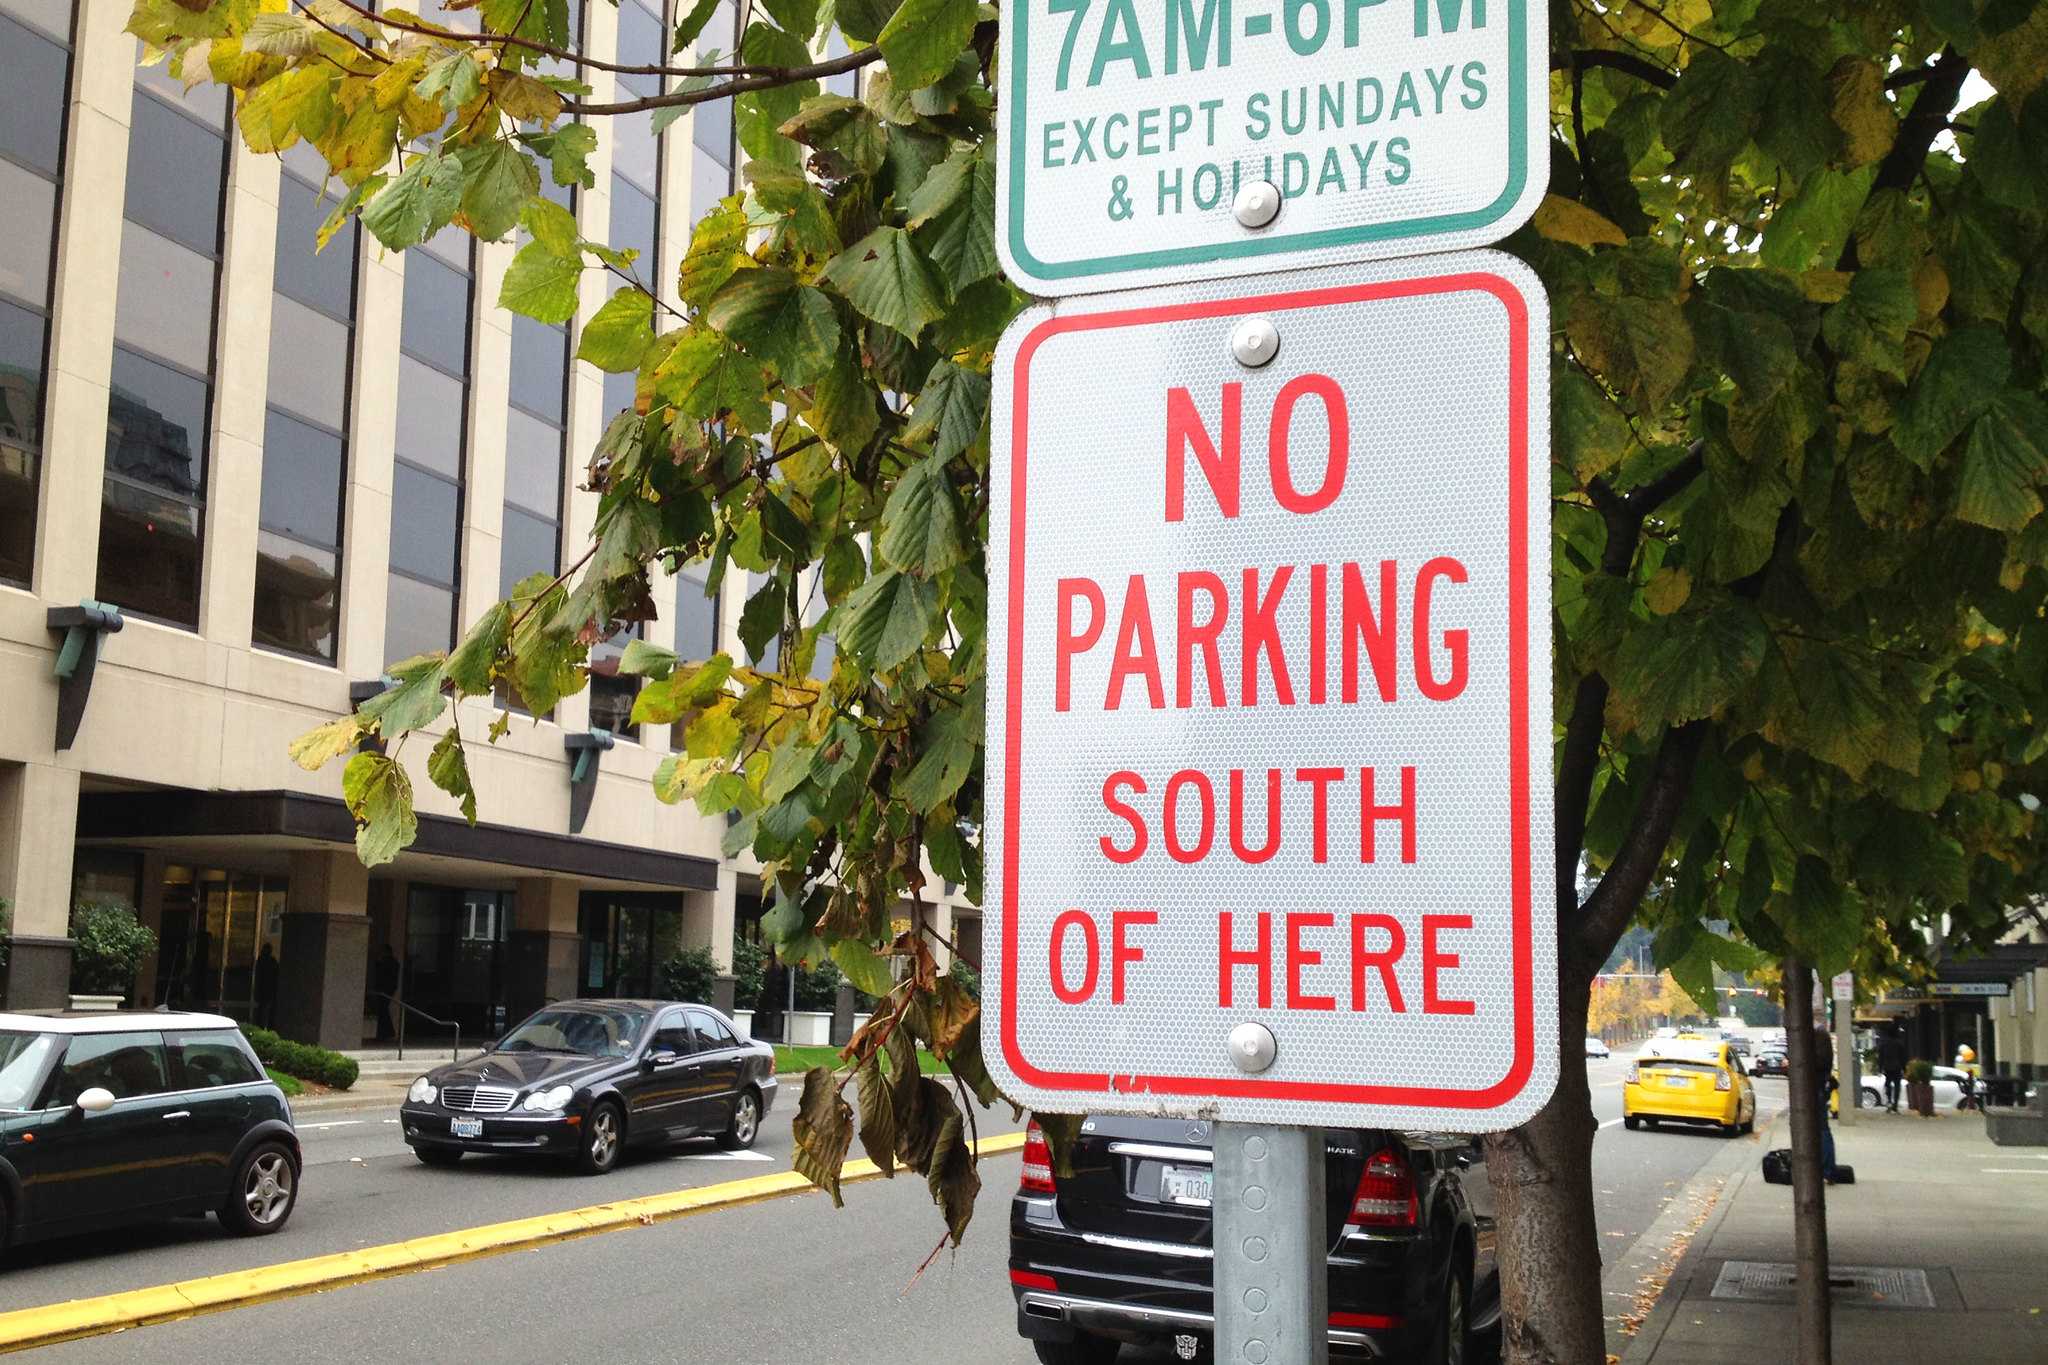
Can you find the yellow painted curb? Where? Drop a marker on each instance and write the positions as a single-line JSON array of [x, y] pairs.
[[45, 1326]]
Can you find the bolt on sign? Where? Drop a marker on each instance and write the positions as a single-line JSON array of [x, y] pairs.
[[1385, 127], [1268, 762]]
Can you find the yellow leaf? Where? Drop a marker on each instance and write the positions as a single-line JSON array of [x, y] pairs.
[[1862, 112], [1930, 288], [337, 737], [1667, 590], [1825, 286], [1567, 220]]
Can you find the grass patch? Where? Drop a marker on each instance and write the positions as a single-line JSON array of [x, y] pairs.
[[289, 1084], [788, 1059]]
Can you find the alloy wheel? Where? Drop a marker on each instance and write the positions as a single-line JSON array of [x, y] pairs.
[[604, 1136], [745, 1119], [268, 1193]]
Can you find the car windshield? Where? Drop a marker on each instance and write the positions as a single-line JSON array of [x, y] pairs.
[[586, 1033], [21, 1064]]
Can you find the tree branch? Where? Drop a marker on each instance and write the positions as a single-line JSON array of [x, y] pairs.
[[760, 78], [1608, 910], [1616, 61], [1940, 87]]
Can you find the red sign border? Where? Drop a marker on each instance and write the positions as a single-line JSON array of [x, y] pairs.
[[1510, 1085]]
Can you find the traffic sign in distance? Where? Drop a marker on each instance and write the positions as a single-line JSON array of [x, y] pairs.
[[1156, 143], [1268, 814]]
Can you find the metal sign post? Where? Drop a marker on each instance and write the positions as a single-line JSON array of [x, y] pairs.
[[1271, 1238]]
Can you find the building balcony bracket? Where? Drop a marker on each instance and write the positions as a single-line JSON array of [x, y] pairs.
[[86, 627], [583, 750]]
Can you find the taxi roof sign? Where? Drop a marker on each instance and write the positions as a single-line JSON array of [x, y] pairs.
[[1387, 127]]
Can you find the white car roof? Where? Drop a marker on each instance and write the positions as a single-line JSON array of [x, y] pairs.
[[1683, 1050], [117, 1021]]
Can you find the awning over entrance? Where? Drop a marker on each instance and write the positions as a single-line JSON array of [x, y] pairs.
[[185, 814]]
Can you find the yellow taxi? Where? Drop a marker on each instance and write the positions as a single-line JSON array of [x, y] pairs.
[[1689, 1079]]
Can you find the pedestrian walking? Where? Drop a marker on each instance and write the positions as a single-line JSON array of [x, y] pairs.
[[384, 978], [1891, 1060], [266, 988]]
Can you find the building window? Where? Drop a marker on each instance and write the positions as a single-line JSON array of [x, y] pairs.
[[154, 500], [305, 430], [712, 154], [612, 693], [536, 435], [35, 76], [636, 166], [427, 481]]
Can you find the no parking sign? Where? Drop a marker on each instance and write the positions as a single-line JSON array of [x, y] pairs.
[[1268, 764]]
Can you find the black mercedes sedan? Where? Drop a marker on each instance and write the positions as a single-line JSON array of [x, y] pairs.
[[585, 1079], [1120, 1252]]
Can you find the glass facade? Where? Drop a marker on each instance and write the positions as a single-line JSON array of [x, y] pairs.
[[627, 941], [427, 481], [454, 958], [35, 78], [158, 418], [712, 154], [215, 923], [696, 626], [305, 428], [636, 166], [612, 693]]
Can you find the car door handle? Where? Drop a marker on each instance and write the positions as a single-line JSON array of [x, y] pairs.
[[177, 1114]]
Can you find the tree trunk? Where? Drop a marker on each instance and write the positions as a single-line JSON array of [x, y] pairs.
[[1813, 1322], [1542, 1176]]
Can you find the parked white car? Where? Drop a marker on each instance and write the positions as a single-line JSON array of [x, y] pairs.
[[1948, 1089], [1596, 1048]]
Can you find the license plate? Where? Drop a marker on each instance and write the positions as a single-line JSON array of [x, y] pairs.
[[1678, 1082], [466, 1128], [1182, 1185]]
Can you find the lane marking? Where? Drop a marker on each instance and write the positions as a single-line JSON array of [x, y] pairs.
[[338, 1123], [2013, 1170], [727, 1156], [44, 1326], [1610, 1123]]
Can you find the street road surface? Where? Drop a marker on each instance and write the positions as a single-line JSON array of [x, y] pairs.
[[771, 1282]]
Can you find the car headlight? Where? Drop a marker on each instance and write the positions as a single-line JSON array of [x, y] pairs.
[[422, 1091], [550, 1101]]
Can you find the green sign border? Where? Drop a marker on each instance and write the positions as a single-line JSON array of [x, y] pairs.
[[1017, 14]]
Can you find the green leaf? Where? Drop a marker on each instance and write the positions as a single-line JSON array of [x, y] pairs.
[[863, 968], [2005, 464], [1710, 114], [568, 150], [761, 619], [498, 181], [379, 796], [281, 35], [554, 227], [863, 20], [843, 411], [617, 336], [708, 377], [781, 322], [414, 702], [950, 411], [1814, 225], [798, 18], [961, 241], [843, 568], [921, 524], [1690, 664], [888, 618], [541, 285], [453, 79], [668, 700], [469, 667], [884, 277], [1869, 326], [949, 743], [1965, 372], [692, 24], [642, 660], [1641, 347], [922, 40], [449, 767], [419, 203], [944, 186], [718, 247]]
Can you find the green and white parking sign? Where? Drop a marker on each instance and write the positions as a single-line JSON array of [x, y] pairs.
[[1156, 141]]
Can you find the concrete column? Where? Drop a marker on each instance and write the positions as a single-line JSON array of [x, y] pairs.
[[373, 434], [939, 915], [38, 824], [545, 947], [323, 961], [708, 916]]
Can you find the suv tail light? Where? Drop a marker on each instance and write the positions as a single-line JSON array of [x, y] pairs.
[[1723, 1081], [1037, 1162], [1386, 1193], [1632, 1076]]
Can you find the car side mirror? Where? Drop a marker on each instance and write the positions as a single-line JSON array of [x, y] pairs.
[[661, 1056], [96, 1100]]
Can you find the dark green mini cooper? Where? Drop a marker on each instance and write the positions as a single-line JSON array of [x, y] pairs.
[[129, 1118]]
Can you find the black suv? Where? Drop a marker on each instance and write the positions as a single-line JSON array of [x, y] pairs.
[[126, 1118], [1120, 1252]]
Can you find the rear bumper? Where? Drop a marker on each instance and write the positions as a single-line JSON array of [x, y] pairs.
[[1722, 1109], [1063, 1314]]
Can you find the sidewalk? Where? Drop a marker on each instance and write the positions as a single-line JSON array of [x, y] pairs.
[[1932, 1196]]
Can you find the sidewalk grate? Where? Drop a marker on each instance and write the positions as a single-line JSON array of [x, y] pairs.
[[1864, 1286]]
